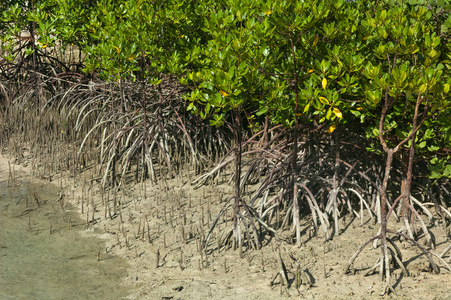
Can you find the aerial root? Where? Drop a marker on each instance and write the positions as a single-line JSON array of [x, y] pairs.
[[407, 226], [442, 261], [426, 253], [283, 274], [395, 257], [301, 278], [351, 260], [225, 238], [387, 290], [429, 240], [445, 251], [398, 252], [392, 255], [399, 262], [373, 268], [247, 218], [283, 270]]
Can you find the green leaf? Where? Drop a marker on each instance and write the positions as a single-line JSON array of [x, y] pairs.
[[447, 172], [422, 88], [433, 148], [376, 132], [261, 112], [329, 113]]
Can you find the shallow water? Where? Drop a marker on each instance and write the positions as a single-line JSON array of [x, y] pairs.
[[38, 264]]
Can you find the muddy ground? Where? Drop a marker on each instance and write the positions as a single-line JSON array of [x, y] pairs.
[[156, 229]]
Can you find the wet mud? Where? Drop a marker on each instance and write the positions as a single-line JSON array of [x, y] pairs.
[[44, 256]]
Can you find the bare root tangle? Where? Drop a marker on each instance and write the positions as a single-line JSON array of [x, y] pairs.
[[129, 131], [255, 163], [363, 204], [272, 195], [417, 217], [245, 219], [395, 259], [215, 221], [272, 161], [201, 180], [109, 117], [426, 253], [383, 261], [439, 209]]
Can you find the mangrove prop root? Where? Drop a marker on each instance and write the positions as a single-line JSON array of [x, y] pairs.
[[426, 253]]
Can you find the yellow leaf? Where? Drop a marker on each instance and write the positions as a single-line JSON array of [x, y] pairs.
[[332, 128], [310, 71], [224, 94], [338, 113], [324, 83], [117, 49], [316, 41], [325, 100], [298, 114]]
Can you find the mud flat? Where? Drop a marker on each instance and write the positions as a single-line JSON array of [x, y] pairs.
[[43, 255], [148, 248]]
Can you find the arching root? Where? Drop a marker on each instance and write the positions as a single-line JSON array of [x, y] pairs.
[[390, 255]]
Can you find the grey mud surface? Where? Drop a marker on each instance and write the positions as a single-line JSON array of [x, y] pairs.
[[42, 258]]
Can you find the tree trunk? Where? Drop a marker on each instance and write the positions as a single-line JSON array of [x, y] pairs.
[[384, 250], [236, 205], [294, 156]]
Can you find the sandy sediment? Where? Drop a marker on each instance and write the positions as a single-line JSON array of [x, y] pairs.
[[42, 253], [157, 228]]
